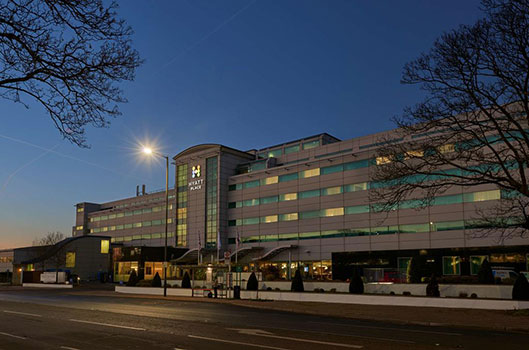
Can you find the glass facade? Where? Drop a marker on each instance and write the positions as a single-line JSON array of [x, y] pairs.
[[211, 202], [181, 204]]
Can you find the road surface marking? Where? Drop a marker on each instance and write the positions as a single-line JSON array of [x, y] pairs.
[[21, 313], [236, 342], [261, 333], [345, 335], [68, 348], [108, 325], [388, 328], [13, 336]]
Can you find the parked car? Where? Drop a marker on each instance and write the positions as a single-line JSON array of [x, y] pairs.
[[505, 274]]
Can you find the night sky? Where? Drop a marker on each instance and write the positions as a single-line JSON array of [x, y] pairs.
[[243, 73]]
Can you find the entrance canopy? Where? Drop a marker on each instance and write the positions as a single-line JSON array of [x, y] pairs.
[[271, 253], [188, 257], [244, 251]]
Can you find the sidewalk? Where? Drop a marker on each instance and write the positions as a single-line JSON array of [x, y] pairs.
[[470, 318]]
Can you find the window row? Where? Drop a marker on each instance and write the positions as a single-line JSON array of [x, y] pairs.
[[157, 199], [274, 153], [130, 226], [360, 209], [354, 232], [300, 195], [129, 213], [302, 174], [142, 236]]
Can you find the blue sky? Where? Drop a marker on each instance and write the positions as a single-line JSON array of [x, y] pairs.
[[242, 73]]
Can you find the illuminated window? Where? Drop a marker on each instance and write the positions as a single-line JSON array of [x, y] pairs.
[[79, 228], [70, 259], [383, 160], [451, 265], [80, 209], [482, 196], [475, 263], [105, 245], [414, 154], [288, 217], [449, 147], [332, 212], [269, 180], [268, 219], [309, 173], [288, 197], [331, 190]]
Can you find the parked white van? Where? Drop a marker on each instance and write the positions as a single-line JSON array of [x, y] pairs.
[[504, 274]]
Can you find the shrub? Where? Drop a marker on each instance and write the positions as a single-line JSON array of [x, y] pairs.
[[520, 290], [133, 279], [356, 286], [297, 283], [463, 294], [144, 283], [157, 281], [252, 283], [432, 289], [186, 281], [269, 288], [485, 275], [333, 290]]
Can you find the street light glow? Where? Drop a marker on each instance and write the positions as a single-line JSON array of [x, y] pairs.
[[147, 150]]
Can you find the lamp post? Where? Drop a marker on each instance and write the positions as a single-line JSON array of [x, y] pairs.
[[149, 151]]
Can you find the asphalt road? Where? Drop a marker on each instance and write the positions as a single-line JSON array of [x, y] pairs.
[[51, 319]]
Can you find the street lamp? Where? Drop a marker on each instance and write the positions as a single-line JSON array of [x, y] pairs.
[[149, 151]]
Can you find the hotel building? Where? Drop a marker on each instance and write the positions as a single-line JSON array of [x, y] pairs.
[[303, 203]]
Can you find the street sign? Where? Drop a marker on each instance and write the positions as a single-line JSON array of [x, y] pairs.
[[227, 254]]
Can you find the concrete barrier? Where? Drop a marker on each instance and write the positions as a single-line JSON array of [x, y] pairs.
[[180, 292], [46, 285], [457, 303], [447, 290]]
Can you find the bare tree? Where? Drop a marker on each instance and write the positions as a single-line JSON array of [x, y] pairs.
[[51, 238], [472, 127], [55, 255], [67, 55]]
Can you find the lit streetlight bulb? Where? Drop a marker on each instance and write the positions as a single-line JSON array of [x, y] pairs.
[[147, 150]]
